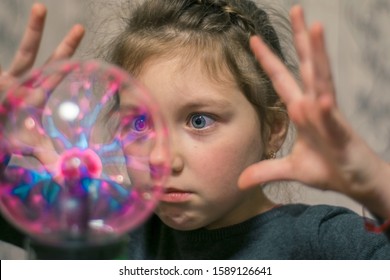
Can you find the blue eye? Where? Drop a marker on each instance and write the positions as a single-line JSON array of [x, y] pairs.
[[200, 121]]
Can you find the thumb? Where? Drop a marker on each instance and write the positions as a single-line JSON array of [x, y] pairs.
[[264, 172]]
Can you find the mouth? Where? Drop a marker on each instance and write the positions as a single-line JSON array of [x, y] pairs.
[[175, 195]]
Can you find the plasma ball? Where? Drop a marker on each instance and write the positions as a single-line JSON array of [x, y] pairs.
[[68, 111], [76, 165]]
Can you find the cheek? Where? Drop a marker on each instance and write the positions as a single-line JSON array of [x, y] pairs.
[[223, 162]]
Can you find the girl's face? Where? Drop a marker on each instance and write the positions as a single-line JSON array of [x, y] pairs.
[[214, 134]]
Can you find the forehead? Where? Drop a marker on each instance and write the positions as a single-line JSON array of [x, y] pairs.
[[206, 52], [208, 62], [191, 77]]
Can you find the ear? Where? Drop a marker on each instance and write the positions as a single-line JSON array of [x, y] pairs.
[[277, 133]]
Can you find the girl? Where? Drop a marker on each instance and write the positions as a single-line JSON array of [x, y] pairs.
[[226, 122]]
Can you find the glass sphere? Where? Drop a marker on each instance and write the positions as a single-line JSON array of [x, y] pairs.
[[83, 152]]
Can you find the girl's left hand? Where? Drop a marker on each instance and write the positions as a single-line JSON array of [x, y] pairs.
[[327, 153]]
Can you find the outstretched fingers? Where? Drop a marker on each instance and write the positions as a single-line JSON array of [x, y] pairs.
[[323, 72], [26, 54], [314, 62], [322, 117], [304, 49], [28, 48], [69, 44], [282, 80]]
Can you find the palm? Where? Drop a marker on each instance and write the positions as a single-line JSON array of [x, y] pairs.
[[311, 167]]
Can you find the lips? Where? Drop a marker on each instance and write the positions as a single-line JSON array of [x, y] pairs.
[[175, 195]]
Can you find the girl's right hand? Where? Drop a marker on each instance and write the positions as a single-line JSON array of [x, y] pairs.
[[22, 62]]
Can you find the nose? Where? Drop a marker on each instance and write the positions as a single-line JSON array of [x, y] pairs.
[[176, 153], [172, 156], [177, 164], [159, 159]]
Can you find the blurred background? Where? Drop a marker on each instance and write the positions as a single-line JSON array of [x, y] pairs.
[[357, 41]]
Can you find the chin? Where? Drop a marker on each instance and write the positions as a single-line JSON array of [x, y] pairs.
[[180, 222]]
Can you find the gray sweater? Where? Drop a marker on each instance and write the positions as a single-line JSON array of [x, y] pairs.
[[293, 231]]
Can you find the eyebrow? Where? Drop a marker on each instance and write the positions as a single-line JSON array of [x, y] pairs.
[[208, 102], [199, 102], [131, 107]]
